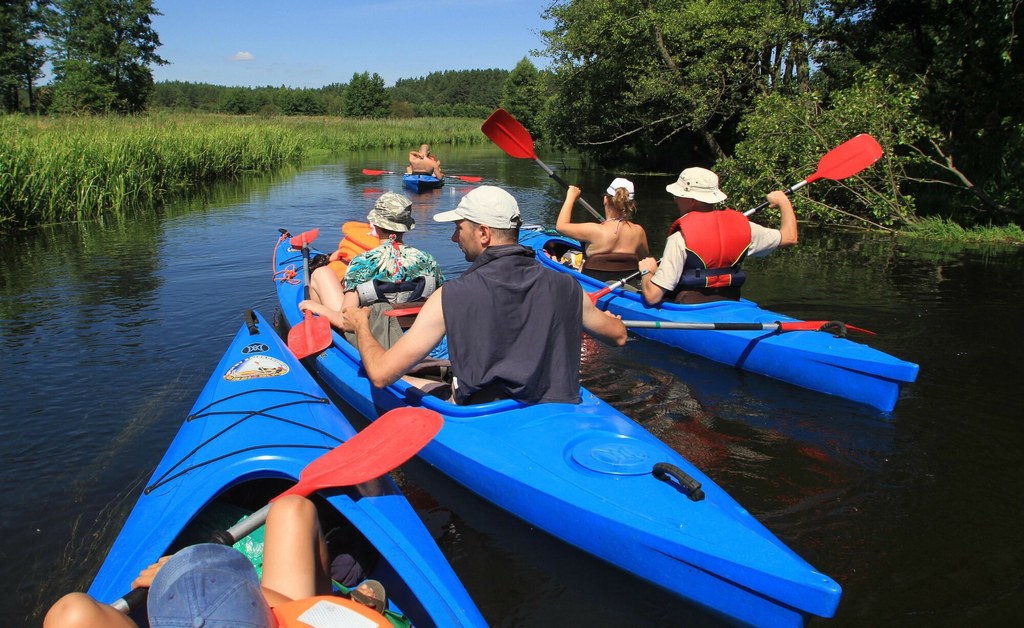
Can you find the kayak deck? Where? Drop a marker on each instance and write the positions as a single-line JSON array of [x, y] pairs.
[[584, 473], [260, 420], [817, 361]]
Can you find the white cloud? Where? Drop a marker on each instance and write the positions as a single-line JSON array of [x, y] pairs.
[[241, 56]]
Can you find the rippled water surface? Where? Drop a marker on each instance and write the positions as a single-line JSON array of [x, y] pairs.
[[109, 331]]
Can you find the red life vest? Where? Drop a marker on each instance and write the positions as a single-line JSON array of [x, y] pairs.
[[716, 243]]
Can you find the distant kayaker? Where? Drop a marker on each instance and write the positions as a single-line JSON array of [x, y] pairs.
[[391, 261], [617, 244], [423, 161], [216, 585], [514, 328], [706, 246]]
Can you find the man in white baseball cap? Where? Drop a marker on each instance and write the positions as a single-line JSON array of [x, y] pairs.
[[707, 244], [513, 326]]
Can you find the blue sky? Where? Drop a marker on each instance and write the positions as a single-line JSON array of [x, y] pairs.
[[312, 43]]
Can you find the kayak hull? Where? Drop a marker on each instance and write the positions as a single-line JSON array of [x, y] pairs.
[[421, 182], [583, 473], [261, 419], [814, 360]]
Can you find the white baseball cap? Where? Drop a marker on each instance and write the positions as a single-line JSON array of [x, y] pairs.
[[486, 205], [620, 183]]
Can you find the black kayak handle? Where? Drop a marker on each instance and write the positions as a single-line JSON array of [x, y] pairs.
[[689, 486]]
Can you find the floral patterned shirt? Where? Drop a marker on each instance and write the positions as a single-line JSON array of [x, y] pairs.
[[390, 262]]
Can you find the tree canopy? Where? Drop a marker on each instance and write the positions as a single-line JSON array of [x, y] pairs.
[[673, 83], [102, 53]]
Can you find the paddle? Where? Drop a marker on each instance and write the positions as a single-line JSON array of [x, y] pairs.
[[836, 328], [843, 161], [313, 334], [382, 446], [596, 296], [513, 138], [460, 177]]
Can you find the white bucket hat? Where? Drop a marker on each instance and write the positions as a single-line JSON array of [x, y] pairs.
[[697, 183], [486, 205]]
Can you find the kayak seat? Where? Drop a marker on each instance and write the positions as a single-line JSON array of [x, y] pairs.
[[610, 266]]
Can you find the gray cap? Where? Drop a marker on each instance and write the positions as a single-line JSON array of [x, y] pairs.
[[486, 205]]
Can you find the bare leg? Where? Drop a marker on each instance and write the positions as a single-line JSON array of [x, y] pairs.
[[325, 288], [294, 552], [78, 610]]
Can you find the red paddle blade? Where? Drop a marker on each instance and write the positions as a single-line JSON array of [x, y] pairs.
[[383, 445], [304, 239], [406, 311], [376, 172], [511, 136], [828, 326], [848, 158], [462, 177], [310, 337]]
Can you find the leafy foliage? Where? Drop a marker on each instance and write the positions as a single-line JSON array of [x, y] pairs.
[[103, 50], [366, 97], [522, 96], [21, 54], [786, 136], [661, 76]]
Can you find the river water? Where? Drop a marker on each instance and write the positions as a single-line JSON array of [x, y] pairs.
[[110, 330]]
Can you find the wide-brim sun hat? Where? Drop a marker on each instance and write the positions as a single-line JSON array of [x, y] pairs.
[[697, 183], [392, 211], [486, 205]]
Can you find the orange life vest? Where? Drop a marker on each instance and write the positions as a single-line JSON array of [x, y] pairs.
[[325, 608]]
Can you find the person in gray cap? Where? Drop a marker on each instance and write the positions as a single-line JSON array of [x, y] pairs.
[[706, 246], [514, 328], [391, 261], [216, 586]]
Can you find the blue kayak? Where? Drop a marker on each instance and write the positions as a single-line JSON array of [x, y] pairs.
[[421, 182], [811, 359], [590, 476], [260, 419]]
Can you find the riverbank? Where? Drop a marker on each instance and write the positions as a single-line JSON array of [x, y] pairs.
[[57, 170]]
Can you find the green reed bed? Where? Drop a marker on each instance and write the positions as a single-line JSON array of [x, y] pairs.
[[73, 169]]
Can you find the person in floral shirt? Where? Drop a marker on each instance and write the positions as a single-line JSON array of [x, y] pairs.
[[392, 261]]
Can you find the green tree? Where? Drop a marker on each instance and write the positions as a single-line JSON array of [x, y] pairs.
[[967, 60], [366, 97], [521, 95], [21, 53], [102, 53], [669, 77]]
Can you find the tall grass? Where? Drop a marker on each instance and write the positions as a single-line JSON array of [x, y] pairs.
[[73, 169], [935, 228]]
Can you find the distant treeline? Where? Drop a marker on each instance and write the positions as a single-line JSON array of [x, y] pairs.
[[454, 93]]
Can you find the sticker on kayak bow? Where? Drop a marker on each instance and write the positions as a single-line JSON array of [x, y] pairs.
[[256, 367], [256, 347]]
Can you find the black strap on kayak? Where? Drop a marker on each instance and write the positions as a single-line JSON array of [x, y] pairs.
[[244, 415], [836, 328], [689, 486]]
